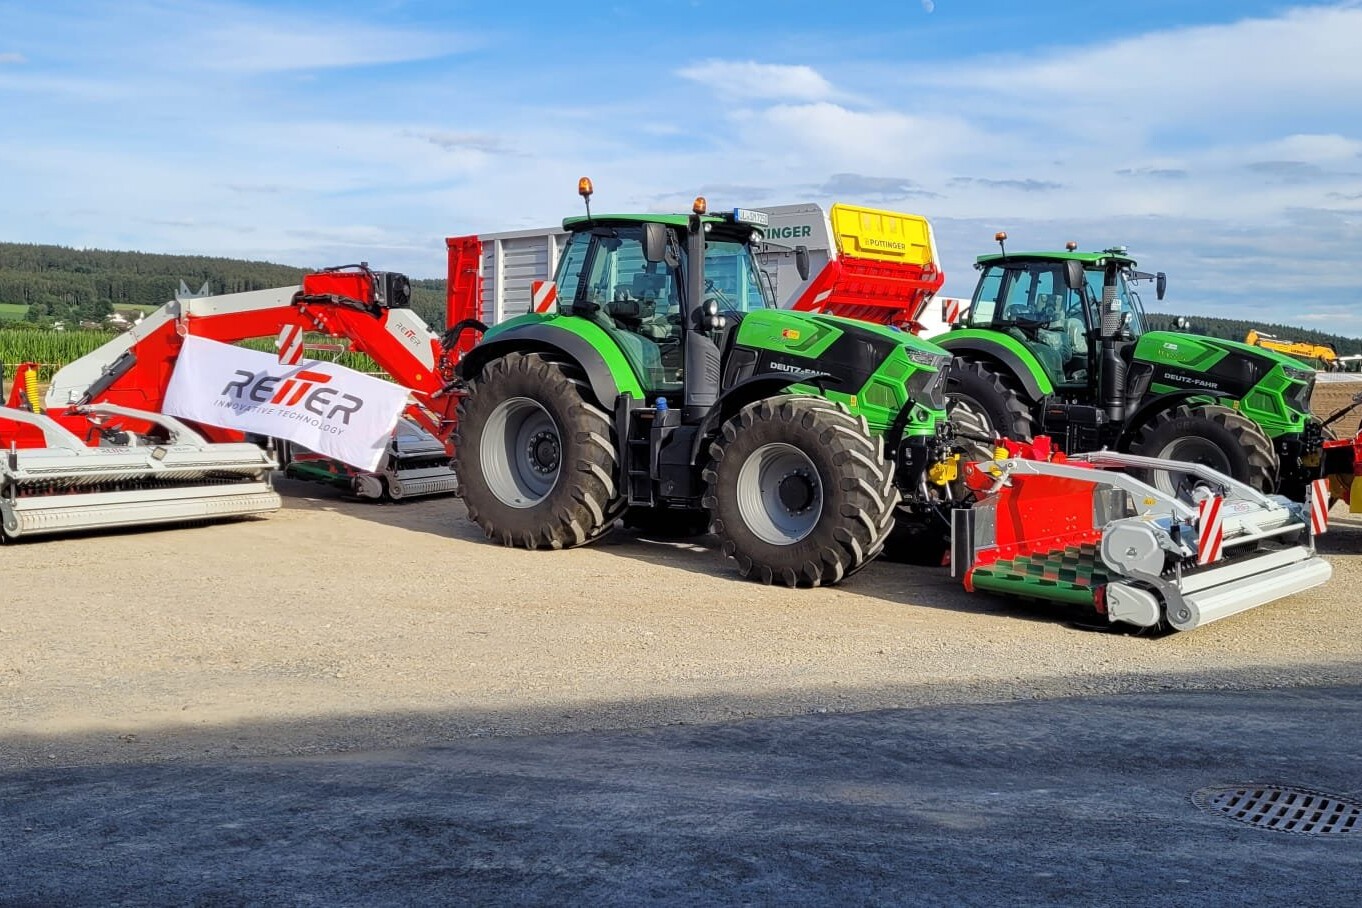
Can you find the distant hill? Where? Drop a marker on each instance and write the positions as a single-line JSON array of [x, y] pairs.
[[1236, 329], [42, 284]]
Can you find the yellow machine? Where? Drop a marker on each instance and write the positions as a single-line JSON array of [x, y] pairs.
[[1322, 354]]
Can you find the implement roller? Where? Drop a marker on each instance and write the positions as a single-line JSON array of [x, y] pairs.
[[1079, 531], [170, 475]]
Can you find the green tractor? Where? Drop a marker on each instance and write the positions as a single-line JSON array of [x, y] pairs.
[[1055, 343], [668, 390]]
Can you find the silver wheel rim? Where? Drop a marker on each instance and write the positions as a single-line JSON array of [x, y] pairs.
[[1189, 450], [521, 453], [780, 494]]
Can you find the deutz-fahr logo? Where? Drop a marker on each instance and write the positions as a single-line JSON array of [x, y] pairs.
[[1184, 379], [786, 367], [303, 389]]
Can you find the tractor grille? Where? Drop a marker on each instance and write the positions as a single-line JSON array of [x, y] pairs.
[[1295, 810], [928, 388]]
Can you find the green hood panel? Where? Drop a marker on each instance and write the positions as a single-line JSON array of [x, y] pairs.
[[1269, 388], [878, 370], [1154, 341]]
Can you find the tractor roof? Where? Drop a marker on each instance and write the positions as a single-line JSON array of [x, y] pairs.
[[1089, 259], [671, 220]]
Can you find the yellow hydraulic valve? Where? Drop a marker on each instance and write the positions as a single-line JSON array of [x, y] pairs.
[[945, 471]]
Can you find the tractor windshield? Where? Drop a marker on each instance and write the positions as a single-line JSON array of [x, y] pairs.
[[732, 279], [1031, 302], [1028, 295], [603, 276]]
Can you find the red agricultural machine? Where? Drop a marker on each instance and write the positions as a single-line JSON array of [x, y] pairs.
[[90, 452]]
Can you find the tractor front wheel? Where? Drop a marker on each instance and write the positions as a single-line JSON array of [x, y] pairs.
[[1210, 435], [799, 491], [535, 455], [982, 407]]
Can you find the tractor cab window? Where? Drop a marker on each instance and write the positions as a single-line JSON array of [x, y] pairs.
[[604, 277], [1130, 301], [732, 278], [1032, 303]]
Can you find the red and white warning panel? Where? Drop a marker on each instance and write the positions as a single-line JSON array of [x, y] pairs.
[[1211, 527], [950, 309], [543, 295], [1319, 506], [290, 345]]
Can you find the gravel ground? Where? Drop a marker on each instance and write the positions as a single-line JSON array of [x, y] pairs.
[[348, 703], [336, 625]]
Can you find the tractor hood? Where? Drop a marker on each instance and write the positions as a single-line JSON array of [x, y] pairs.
[[1168, 344], [1271, 389]]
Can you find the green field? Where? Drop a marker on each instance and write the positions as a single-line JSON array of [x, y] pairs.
[[12, 312], [54, 349]]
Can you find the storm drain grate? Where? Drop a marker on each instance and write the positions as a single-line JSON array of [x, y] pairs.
[[1297, 810]]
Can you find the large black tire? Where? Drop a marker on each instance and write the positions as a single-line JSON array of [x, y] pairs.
[[800, 492], [536, 457], [1214, 436], [979, 403]]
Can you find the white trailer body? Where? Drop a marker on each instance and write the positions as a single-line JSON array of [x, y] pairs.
[[513, 260]]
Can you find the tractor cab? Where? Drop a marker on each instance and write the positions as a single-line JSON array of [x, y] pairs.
[[628, 274], [1051, 303]]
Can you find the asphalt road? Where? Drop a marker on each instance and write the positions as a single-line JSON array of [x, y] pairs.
[[1070, 801]]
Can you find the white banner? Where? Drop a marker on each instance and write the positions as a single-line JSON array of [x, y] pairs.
[[326, 408]]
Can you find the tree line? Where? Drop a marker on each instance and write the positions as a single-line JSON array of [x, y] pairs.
[[1238, 329], [58, 283]]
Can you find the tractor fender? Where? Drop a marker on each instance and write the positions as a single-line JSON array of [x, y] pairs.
[[749, 390], [1151, 405], [541, 338], [1009, 354]]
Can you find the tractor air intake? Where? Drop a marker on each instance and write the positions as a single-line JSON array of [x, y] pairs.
[[1113, 366]]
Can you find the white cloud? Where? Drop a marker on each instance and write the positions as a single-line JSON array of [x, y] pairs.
[[759, 81], [821, 138], [1306, 57], [12, 58], [280, 44]]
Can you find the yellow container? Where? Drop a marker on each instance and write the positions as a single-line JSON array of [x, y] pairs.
[[886, 236]]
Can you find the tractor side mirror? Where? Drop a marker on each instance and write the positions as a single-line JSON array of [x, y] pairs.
[[802, 262], [1074, 278], [1160, 284], [654, 242]]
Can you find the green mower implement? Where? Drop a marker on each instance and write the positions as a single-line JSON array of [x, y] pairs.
[[667, 390], [1054, 343]]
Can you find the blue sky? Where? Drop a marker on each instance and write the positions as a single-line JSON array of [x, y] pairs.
[[1220, 141]]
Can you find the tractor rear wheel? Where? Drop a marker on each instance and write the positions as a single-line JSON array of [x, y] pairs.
[[800, 491], [536, 456], [981, 406], [1213, 436]]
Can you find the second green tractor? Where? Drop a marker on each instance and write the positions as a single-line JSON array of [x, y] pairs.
[[1055, 343]]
